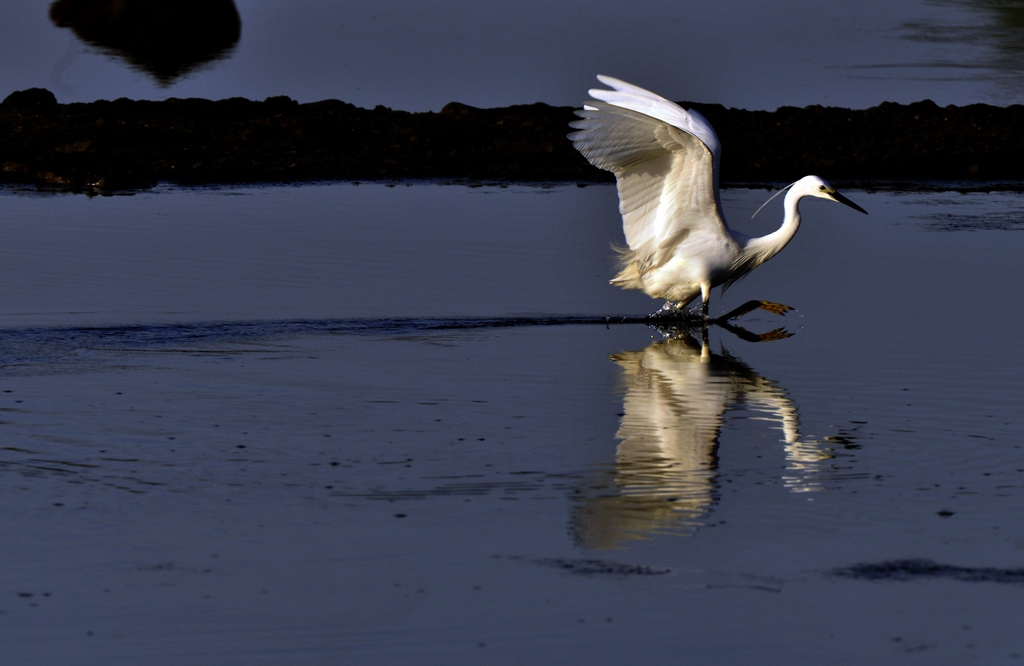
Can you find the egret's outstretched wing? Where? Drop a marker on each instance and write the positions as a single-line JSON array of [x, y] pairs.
[[665, 160], [628, 96]]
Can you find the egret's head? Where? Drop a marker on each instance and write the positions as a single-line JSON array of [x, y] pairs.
[[818, 187], [810, 186]]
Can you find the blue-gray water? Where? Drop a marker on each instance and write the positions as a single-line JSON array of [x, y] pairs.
[[226, 442], [420, 55], [214, 451]]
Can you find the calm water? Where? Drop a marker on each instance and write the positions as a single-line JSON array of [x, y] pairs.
[[216, 452], [420, 55]]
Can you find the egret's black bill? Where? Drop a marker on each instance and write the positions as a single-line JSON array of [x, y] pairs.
[[843, 200]]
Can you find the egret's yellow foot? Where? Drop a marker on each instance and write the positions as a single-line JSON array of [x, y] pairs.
[[774, 308], [750, 306]]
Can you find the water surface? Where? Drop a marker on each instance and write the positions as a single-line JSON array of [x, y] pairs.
[[216, 452], [419, 56]]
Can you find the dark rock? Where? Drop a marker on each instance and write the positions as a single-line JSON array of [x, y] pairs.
[[128, 144], [163, 38], [33, 98]]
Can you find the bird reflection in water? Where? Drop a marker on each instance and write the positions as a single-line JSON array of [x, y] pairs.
[[665, 476], [166, 39]]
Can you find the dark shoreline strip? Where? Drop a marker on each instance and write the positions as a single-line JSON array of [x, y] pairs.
[[155, 335], [125, 144], [27, 349]]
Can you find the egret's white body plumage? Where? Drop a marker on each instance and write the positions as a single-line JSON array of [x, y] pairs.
[[666, 162]]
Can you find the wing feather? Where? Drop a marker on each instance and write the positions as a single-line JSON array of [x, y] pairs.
[[628, 96], [665, 160]]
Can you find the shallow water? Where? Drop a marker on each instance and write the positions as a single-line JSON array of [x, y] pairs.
[[217, 451], [419, 56]]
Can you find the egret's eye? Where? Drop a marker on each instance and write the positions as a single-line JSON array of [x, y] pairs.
[[822, 188]]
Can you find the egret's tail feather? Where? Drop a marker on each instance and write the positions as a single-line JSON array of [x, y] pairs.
[[628, 276]]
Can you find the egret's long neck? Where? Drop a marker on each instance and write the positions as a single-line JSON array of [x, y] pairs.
[[766, 247]]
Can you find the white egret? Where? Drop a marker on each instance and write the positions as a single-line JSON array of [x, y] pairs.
[[666, 162]]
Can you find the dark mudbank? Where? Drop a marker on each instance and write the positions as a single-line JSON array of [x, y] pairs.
[[908, 570], [130, 144]]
